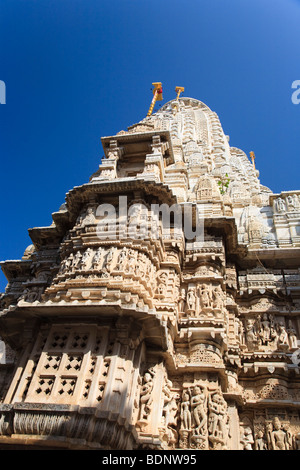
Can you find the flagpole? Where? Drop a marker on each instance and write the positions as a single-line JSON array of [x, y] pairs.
[[157, 95]]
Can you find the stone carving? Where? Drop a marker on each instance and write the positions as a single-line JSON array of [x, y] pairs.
[[169, 415], [191, 301], [89, 218], [204, 299], [290, 203], [85, 258], [247, 439], [218, 421], [162, 286], [204, 419], [146, 398], [278, 438], [265, 332], [260, 441], [88, 307]]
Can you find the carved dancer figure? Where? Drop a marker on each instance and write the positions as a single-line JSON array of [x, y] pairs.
[[66, 264], [167, 401], [97, 258], [218, 298], [185, 413], [108, 263], [122, 259], [85, 258], [130, 262], [146, 398], [162, 283], [199, 409], [77, 259], [217, 418], [205, 297]]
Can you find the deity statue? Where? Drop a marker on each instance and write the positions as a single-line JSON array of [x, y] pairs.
[[265, 331], [251, 337], [205, 297], [278, 436], [280, 205], [191, 299], [89, 218], [218, 298]]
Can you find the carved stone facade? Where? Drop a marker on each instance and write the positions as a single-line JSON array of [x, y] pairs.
[[119, 334]]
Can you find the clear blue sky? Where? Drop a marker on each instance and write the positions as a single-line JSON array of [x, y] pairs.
[[77, 70]]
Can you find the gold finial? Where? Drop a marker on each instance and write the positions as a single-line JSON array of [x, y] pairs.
[[252, 156], [179, 89], [157, 96]]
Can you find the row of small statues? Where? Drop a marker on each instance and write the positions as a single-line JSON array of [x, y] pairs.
[[106, 260], [290, 203], [138, 221], [263, 332], [201, 298], [275, 436]]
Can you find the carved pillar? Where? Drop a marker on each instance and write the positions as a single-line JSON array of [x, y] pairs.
[[154, 164]]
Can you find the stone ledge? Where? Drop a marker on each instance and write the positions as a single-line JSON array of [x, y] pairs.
[[66, 426]]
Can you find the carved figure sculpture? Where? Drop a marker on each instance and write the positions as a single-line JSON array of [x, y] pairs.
[[280, 205], [205, 297], [191, 299], [247, 438], [85, 258], [251, 337], [146, 398], [293, 340], [217, 419], [89, 218], [97, 258], [218, 298], [278, 436], [283, 341], [260, 443], [265, 332], [185, 413], [199, 410]]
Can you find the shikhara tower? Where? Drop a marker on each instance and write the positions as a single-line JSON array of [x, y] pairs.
[[134, 343]]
